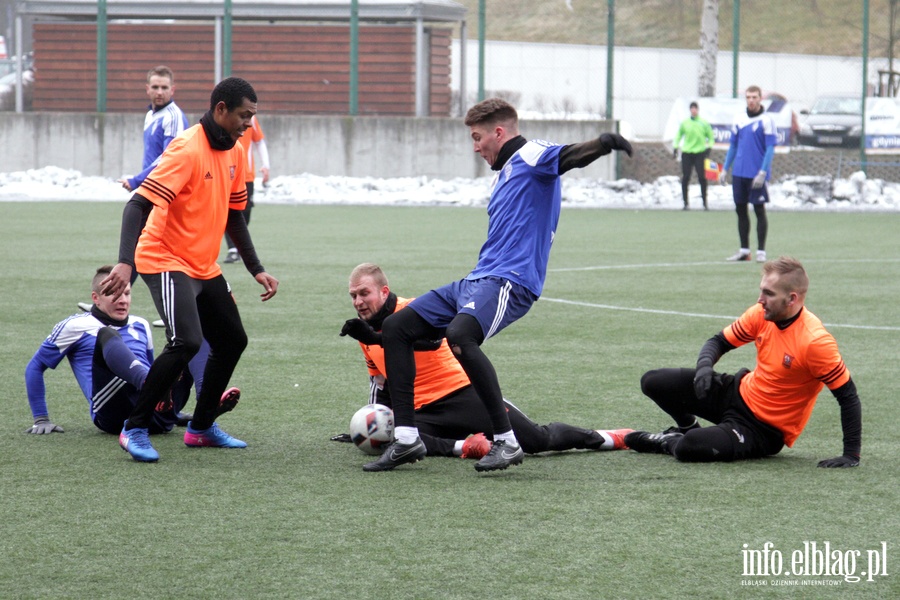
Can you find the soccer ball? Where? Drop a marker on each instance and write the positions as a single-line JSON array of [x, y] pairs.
[[372, 428]]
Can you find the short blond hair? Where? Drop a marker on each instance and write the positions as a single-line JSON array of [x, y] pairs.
[[370, 269], [161, 71], [792, 276]]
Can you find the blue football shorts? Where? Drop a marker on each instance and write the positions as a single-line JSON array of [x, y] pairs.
[[742, 189], [495, 301]]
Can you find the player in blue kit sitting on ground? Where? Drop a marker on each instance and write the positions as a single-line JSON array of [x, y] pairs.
[[110, 352]]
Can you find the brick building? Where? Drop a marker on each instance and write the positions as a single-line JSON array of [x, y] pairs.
[[296, 54]]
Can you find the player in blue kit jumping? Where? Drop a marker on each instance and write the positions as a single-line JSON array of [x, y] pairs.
[[523, 212]]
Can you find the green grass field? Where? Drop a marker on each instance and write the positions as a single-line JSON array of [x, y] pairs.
[[294, 516]]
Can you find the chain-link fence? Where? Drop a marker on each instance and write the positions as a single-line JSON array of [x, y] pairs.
[[800, 50]]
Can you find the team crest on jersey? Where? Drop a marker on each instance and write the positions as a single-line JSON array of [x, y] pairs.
[[787, 360], [231, 171]]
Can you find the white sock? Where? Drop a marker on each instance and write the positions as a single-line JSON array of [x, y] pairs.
[[508, 436], [608, 442], [745, 250], [457, 447], [406, 435]]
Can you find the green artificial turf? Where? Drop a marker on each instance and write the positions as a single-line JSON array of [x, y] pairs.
[[294, 516]]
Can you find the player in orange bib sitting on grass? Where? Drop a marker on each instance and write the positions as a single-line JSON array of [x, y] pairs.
[[756, 413]]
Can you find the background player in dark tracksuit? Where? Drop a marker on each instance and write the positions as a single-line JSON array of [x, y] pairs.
[[508, 278], [110, 352], [447, 407], [695, 135]]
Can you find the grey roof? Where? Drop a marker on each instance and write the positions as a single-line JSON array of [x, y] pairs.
[[319, 10]]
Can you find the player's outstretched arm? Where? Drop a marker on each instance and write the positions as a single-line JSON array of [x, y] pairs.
[[48, 356], [851, 424], [577, 156]]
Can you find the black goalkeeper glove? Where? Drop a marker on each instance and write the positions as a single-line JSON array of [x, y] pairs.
[[703, 380], [614, 141], [840, 462], [361, 331]]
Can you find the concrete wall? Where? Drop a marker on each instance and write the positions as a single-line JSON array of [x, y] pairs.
[[110, 145]]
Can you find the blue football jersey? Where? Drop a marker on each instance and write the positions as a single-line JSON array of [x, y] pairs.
[[75, 338], [523, 213], [751, 137]]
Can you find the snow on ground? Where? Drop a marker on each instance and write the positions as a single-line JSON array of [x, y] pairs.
[[856, 193]]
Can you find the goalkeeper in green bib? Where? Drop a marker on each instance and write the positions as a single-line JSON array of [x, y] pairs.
[[695, 136]]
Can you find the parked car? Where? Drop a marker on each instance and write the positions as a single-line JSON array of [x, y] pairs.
[[833, 121]]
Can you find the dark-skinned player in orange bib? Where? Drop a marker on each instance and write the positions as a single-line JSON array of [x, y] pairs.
[[194, 195]]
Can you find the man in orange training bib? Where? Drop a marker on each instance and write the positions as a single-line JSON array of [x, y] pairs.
[[756, 413], [194, 195]]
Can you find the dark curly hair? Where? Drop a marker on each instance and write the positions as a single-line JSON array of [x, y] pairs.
[[232, 92]]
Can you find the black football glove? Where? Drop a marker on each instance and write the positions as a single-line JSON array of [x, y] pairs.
[[614, 141], [840, 462], [342, 437], [675, 153], [361, 331], [703, 380]]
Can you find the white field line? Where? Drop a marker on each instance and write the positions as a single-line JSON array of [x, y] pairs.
[[698, 315]]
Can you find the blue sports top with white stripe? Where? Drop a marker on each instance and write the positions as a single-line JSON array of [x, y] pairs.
[[160, 128], [75, 338], [523, 213], [752, 145]]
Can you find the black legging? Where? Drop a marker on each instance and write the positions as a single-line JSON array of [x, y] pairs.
[[461, 413], [193, 310], [693, 162], [464, 336], [762, 224], [673, 391]]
